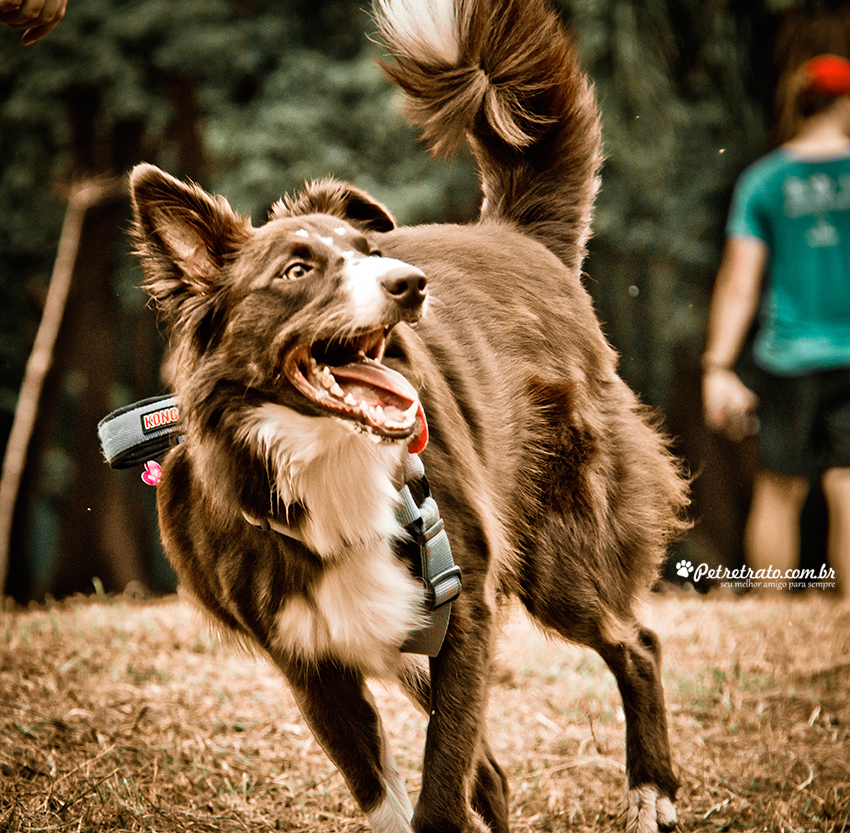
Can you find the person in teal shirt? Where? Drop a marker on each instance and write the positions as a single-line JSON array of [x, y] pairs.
[[798, 208], [787, 259]]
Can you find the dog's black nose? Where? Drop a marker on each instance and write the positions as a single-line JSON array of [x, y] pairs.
[[406, 285]]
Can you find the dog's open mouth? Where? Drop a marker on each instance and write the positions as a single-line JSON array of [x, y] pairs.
[[346, 378]]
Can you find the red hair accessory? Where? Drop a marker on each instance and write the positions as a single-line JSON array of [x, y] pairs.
[[826, 75]]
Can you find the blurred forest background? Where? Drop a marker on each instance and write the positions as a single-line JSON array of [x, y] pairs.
[[251, 97]]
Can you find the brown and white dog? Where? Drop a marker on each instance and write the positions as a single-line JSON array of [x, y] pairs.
[[308, 354]]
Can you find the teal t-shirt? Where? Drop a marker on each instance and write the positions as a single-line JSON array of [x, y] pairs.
[[800, 209]]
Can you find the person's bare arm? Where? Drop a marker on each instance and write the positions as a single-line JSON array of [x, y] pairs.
[[728, 404], [37, 17]]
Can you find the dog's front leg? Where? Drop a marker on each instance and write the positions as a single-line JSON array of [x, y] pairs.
[[341, 712], [451, 770]]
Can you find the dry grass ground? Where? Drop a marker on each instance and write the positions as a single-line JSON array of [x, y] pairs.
[[125, 715]]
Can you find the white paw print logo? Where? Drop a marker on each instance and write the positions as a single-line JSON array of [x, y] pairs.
[[683, 568]]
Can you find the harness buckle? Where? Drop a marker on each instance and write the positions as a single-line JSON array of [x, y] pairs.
[[444, 588], [431, 555]]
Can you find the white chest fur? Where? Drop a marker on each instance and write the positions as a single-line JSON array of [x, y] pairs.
[[359, 612], [366, 601], [343, 478]]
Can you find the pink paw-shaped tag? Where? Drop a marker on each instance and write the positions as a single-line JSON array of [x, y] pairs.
[[152, 475]]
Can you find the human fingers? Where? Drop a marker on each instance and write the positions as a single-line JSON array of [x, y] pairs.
[[21, 13], [10, 15], [46, 16], [728, 403], [38, 32], [10, 7], [38, 17]]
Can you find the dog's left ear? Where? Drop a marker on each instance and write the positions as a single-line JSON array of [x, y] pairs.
[[339, 199], [183, 235]]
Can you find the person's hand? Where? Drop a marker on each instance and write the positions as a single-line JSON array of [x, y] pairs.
[[729, 406], [37, 17]]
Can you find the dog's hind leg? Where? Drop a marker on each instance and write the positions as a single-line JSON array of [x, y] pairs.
[[571, 596], [340, 711], [490, 791], [651, 787]]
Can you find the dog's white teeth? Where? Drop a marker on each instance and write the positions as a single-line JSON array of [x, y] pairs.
[[406, 418], [323, 375], [375, 414]]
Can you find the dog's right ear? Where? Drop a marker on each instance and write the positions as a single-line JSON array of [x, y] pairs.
[[339, 199], [183, 235]]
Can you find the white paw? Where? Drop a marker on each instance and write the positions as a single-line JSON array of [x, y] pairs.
[[647, 811]]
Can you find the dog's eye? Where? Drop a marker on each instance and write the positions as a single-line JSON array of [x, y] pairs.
[[375, 253], [297, 270]]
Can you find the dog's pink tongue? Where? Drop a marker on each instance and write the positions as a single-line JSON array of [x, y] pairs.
[[379, 385], [419, 438]]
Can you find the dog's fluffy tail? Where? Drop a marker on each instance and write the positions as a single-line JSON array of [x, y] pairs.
[[503, 75]]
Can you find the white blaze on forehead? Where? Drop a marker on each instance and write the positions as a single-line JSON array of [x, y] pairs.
[[328, 241]]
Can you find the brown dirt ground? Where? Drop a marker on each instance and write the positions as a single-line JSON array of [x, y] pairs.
[[119, 714]]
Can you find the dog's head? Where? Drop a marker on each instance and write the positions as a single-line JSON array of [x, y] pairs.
[[297, 311]]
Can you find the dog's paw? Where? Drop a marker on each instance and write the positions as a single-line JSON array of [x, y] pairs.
[[648, 811]]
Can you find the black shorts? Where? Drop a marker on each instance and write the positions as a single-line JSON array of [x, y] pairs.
[[804, 421]]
